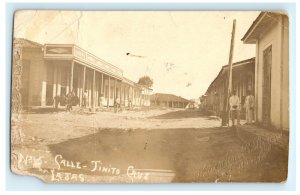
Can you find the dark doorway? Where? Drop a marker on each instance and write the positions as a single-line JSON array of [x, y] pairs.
[[49, 94]]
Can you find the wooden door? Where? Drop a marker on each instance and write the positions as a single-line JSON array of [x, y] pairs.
[[266, 103]]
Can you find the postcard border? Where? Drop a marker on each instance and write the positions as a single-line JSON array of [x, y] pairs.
[[17, 183]]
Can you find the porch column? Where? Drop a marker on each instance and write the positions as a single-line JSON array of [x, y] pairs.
[[54, 80], [115, 89], [97, 91], [120, 91], [93, 89], [83, 85], [101, 83], [44, 84], [132, 95], [72, 76], [108, 95], [58, 86], [124, 94], [128, 92], [256, 73]]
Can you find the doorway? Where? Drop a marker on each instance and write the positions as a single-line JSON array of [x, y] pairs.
[[266, 102], [49, 95]]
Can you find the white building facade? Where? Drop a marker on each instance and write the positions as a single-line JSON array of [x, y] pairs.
[[270, 33]]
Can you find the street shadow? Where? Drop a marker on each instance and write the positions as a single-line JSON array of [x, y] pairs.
[[183, 151], [43, 110], [50, 110], [180, 114], [193, 155]]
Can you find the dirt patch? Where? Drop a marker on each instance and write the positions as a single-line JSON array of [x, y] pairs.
[[182, 147]]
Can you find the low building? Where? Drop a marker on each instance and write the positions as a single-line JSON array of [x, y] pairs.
[[53, 70], [146, 96], [168, 100], [270, 33], [242, 80]]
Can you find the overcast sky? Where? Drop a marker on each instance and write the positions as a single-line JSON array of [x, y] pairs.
[[182, 51]]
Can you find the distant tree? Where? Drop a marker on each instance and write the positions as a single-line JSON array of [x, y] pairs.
[[146, 81]]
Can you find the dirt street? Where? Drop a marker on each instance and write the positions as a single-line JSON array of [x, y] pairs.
[[146, 146]]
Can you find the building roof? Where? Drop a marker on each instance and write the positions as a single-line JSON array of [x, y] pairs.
[[235, 66], [128, 81], [167, 97], [31, 44], [132, 83], [79, 55], [27, 43], [261, 25]]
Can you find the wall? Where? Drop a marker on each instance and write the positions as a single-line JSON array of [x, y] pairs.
[[35, 58], [273, 37], [285, 84]]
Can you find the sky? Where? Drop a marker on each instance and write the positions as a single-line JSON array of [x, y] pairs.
[[182, 51]]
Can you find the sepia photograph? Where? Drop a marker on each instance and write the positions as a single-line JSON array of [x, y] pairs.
[[150, 96]]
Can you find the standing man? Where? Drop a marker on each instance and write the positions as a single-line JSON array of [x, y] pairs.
[[249, 106], [234, 102]]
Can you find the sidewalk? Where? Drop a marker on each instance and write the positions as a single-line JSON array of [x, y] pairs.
[[248, 133]]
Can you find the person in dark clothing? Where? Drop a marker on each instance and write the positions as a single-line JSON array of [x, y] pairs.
[[56, 102]]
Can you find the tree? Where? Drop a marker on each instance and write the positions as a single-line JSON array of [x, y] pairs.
[[146, 81]]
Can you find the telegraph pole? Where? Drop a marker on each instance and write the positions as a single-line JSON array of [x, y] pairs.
[[225, 114]]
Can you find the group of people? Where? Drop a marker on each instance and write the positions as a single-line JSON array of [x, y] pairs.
[[85, 99], [235, 107], [102, 102], [71, 99]]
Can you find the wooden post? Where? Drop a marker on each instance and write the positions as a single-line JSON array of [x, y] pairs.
[[128, 94], [55, 80], [133, 96], [108, 92], [225, 114], [83, 83], [115, 89], [121, 95], [124, 92], [102, 83], [93, 94], [72, 76]]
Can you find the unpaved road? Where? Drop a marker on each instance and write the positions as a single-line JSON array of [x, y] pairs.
[[147, 146]]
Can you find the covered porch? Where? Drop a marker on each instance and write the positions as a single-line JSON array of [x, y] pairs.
[[70, 68]]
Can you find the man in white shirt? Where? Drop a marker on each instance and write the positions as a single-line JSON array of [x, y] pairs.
[[234, 102], [249, 106]]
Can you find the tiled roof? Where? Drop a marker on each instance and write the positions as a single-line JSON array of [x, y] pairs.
[[250, 61], [167, 97]]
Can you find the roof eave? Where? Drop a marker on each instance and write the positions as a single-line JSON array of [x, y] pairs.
[[247, 39]]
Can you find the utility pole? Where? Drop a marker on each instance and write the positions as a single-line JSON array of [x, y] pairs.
[[226, 109]]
